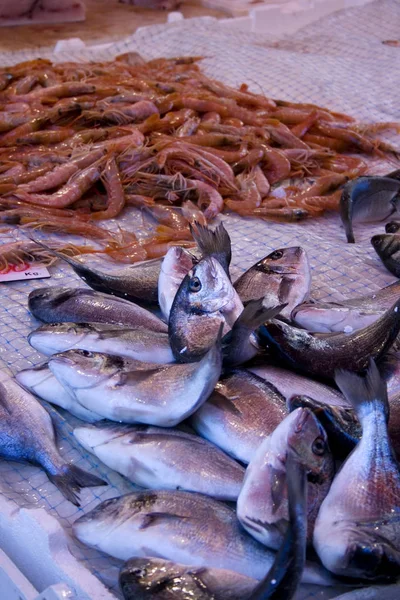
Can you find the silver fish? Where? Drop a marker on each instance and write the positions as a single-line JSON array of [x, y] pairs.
[[169, 459], [131, 391], [41, 382], [158, 579], [27, 435], [262, 506], [183, 527], [282, 277], [176, 264], [139, 343], [204, 301], [387, 247], [79, 305], [357, 532], [292, 384], [242, 410], [367, 199]]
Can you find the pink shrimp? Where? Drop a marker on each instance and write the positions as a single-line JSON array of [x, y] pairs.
[[278, 166], [60, 90], [47, 136], [192, 213], [208, 196], [20, 254], [115, 192], [9, 120]]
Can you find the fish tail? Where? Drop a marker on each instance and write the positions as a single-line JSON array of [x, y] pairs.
[[365, 393], [255, 314], [71, 479], [215, 243]]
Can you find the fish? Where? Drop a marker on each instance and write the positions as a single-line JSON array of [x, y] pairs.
[[183, 527], [213, 243], [139, 343], [80, 305], [357, 532], [136, 283], [176, 264], [205, 300], [262, 506], [158, 579], [367, 199], [40, 381], [130, 391], [387, 247], [340, 423], [321, 354], [241, 344], [283, 579], [164, 459], [27, 435], [373, 592], [281, 277], [242, 410], [392, 227], [289, 384]]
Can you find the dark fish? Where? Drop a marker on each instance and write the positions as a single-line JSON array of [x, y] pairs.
[[242, 410], [240, 344], [282, 277], [285, 575], [367, 199], [205, 300], [392, 227], [357, 533], [215, 243], [387, 247], [158, 579], [322, 353], [80, 305], [27, 435], [340, 423]]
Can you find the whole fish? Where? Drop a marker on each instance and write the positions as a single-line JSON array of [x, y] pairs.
[[284, 577], [387, 247], [176, 264], [130, 391], [215, 243], [80, 305], [367, 199], [183, 527], [242, 410], [322, 353], [41, 382], [205, 300], [158, 579], [262, 506], [169, 459], [340, 423], [282, 277], [289, 384], [137, 283], [27, 435], [139, 343], [357, 532], [392, 227]]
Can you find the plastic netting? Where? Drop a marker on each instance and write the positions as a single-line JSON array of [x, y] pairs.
[[339, 62]]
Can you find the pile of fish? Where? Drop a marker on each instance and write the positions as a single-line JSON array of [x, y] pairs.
[[221, 401]]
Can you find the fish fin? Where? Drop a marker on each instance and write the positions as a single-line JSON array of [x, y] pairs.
[[255, 314], [223, 402], [215, 243], [284, 288], [364, 393], [153, 518], [5, 405], [71, 479], [277, 488]]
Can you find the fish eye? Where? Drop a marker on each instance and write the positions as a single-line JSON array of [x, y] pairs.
[[319, 446], [86, 353], [276, 255], [195, 284]]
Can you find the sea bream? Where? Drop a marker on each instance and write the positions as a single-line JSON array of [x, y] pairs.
[[138, 343], [27, 435], [387, 247], [262, 506], [81, 305], [357, 532], [282, 277], [164, 459], [205, 300], [130, 391]]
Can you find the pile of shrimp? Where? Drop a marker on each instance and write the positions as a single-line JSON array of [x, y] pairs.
[[80, 142]]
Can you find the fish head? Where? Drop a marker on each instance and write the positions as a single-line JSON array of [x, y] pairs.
[[386, 245], [45, 296], [78, 369], [58, 337], [309, 442], [30, 378], [287, 261]]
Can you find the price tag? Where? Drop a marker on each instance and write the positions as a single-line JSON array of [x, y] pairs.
[[29, 272]]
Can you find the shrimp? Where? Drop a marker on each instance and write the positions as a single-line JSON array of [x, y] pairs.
[[282, 135], [21, 254], [319, 204], [325, 141], [189, 127], [349, 137], [9, 120], [166, 215], [115, 192], [192, 213], [321, 186], [155, 250], [60, 90], [49, 136], [277, 166], [208, 196], [62, 224]]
